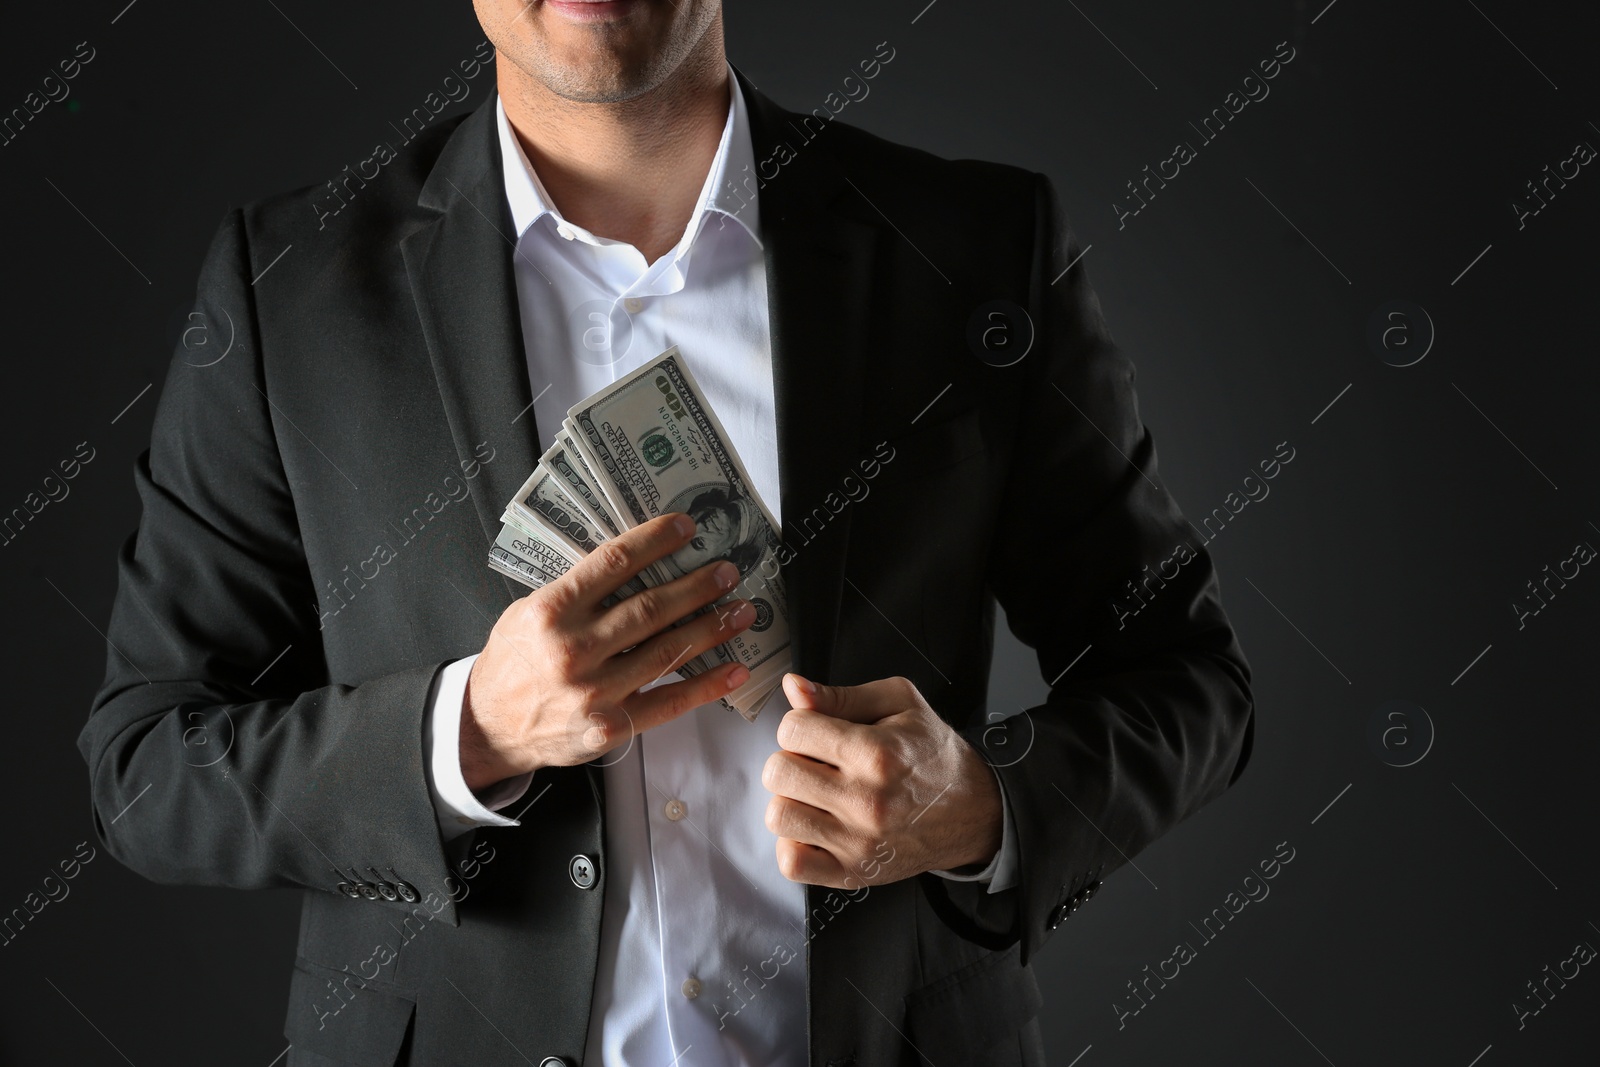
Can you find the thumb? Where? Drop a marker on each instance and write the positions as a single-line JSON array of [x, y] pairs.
[[848, 702]]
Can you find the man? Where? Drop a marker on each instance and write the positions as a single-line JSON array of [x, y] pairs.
[[523, 838]]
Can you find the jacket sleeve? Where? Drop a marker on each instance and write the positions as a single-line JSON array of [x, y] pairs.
[[218, 751], [1149, 714]]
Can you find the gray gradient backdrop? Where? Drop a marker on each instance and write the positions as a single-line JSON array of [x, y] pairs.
[[1385, 165]]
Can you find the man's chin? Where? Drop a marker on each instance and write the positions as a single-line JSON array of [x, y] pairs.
[[596, 76], [589, 80], [601, 52]]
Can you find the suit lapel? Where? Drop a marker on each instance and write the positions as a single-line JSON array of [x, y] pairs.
[[820, 253], [819, 258], [460, 268]]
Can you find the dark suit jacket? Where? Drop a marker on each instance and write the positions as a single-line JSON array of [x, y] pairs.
[[317, 507]]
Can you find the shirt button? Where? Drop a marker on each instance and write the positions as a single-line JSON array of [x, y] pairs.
[[634, 305], [565, 232], [691, 987], [675, 809]]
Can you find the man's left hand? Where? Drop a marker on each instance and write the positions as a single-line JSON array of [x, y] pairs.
[[871, 786]]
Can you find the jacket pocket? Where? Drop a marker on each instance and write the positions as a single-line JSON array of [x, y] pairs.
[[337, 1015], [975, 1008]]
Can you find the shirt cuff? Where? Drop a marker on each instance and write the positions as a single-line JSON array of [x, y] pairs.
[[458, 808], [1001, 873]]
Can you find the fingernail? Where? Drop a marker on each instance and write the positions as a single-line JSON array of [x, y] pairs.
[[737, 677], [684, 525], [742, 614], [805, 685], [726, 575]]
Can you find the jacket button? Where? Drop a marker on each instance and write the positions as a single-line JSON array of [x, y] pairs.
[[405, 889], [584, 873], [385, 890], [553, 1061], [362, 888]]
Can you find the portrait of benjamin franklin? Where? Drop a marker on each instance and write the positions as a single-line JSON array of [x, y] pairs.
[[729, 526]]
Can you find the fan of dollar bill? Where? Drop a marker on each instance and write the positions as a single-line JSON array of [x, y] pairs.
[[647, 445]]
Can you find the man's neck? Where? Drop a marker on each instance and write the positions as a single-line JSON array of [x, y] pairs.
[[629, 171]]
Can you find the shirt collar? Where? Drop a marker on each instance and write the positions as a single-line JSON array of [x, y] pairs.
[[721, 193]]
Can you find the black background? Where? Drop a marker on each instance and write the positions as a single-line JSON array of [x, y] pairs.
[[1387, 556]]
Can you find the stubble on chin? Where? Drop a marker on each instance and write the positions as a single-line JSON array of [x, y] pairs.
[[602, 64]]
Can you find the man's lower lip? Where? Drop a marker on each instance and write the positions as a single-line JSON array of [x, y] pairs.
[[591, 10]]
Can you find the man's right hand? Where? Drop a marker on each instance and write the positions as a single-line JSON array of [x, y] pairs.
[[558, 682]]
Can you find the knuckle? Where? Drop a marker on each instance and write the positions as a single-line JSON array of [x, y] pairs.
[[775, 773], [876, 811], [648, 605], [789, 861], [647, 609], [668, 654], [582, 727], [789, 727], [874, 763], [590, 701], [570, 650], [613, 557], [614, 725], [547, 606]]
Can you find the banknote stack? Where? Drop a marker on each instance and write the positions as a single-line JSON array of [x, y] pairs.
[[648, 445]]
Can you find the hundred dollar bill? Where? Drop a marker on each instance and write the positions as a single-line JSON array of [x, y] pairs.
[[543, 511], [577, 482], [541, 507], [657, 448], [527, 558], [593, 472]]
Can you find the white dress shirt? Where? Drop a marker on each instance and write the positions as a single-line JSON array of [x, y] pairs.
[[696, 916]]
